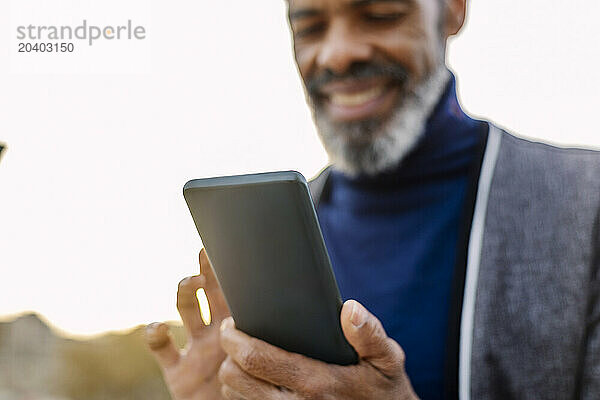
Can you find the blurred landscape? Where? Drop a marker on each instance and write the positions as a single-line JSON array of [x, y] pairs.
[[36, 363]]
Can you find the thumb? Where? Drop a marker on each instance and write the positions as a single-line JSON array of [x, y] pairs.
[[366, 334]]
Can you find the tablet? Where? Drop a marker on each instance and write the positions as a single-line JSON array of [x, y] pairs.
[[263, 239]]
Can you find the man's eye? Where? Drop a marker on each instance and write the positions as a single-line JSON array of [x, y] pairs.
[[310, 30], [383, 17]]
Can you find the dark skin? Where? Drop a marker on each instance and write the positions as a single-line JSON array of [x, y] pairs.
[[192, 373], [226, 363], [333, 35]]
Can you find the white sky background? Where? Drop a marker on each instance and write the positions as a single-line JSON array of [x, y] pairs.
[[94, 231]]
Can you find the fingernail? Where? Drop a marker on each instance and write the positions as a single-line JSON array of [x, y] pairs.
[[185, 281], [358, 316], [227, 323]]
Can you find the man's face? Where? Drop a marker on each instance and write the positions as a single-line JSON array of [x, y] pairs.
[[365, 65]]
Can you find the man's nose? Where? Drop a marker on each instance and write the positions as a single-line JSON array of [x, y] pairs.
[[341, 48]]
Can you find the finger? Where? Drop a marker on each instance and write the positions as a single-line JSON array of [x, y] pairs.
[[187, 304], [161, 344], [218, 305], [232, 376], [366, 334], [230, 394], [272, 364]]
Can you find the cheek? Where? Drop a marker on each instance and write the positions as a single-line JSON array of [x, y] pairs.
[[413, 50], [305, 59]]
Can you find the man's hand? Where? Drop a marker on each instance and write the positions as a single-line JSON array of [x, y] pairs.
[[257, 370], [192, 374]]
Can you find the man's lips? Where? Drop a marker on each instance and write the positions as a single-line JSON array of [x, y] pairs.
[[347, 101], [357, 98]]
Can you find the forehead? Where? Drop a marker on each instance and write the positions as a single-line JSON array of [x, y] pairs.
[[337, 4], [307, 8], [316, 3]]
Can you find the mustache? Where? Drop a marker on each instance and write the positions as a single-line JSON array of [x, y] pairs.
[[393, 71]]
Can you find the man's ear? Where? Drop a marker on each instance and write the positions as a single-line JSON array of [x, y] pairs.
[[455, 13]]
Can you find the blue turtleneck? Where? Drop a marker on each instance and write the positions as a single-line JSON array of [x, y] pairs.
[[393, 239]]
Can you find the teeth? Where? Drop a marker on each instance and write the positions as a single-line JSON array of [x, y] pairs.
[[356, 99]]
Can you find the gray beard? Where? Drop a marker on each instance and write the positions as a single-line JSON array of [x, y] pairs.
[[371, 147]]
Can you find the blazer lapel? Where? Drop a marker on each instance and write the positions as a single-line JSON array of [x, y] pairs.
[[473, 261]]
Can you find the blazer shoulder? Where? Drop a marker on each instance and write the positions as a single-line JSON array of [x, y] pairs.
[[570, 167], [546, 152]]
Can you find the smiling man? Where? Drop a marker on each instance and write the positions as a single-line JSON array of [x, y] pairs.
[[373, 72], [472, 255]]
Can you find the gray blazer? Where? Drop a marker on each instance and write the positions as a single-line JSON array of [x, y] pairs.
[[530, 322]]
